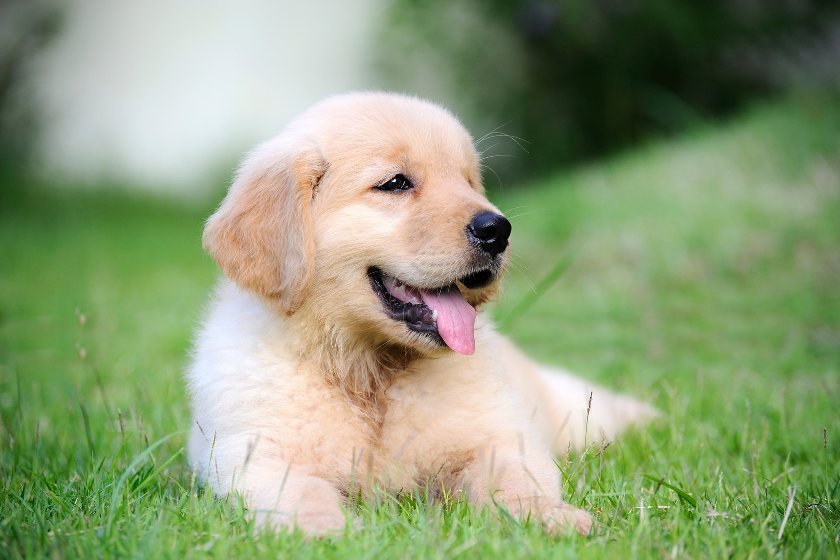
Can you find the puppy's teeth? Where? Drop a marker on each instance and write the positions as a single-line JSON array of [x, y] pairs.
[[434, 315]]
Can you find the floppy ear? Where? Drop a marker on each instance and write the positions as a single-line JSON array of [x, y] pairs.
[[261, 235]]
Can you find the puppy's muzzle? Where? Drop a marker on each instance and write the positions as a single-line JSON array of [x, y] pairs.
[[489, 232]]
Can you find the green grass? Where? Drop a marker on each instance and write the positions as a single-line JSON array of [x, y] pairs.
[[703, 275]]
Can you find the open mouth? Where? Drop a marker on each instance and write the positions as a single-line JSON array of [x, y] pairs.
[[441, 313]]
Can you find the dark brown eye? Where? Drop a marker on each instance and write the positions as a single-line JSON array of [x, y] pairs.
[[395, 184]]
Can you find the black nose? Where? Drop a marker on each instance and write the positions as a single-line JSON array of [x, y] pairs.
[[490, 232]]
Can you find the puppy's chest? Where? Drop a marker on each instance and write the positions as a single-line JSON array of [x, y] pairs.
[[431, 428]]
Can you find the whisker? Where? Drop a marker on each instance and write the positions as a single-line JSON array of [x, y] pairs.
[[523, 265], [524, 277], [499, 179], [496, 133], [489, 134], [526, 213], [515, 139], [498, 155]]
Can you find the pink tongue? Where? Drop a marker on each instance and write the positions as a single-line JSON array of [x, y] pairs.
[[455, 318]]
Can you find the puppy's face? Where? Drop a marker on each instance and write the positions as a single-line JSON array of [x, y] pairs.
[[367, 215]]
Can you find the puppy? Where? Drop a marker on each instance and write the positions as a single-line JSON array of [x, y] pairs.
[[346, 351]]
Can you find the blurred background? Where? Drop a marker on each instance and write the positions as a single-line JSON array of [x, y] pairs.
[[671, 169], [167, 95]]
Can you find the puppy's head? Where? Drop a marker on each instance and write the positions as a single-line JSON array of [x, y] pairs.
[[366, 217]]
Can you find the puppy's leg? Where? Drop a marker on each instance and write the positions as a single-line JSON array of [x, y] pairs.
[[574, 417], [560, 407], [279, 494], [283, 500], [526, 483]]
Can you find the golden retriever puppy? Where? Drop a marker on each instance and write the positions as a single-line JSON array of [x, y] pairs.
[[346, 351]]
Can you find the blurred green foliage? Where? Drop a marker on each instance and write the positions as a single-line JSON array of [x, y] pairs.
[[576, 79]]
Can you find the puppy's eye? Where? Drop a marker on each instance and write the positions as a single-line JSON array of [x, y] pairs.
[[395, 184]]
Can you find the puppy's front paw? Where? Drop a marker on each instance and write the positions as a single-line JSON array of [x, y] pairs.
[[565, 518], [312, 523], [307, 502], [321, 524], [557, 517]]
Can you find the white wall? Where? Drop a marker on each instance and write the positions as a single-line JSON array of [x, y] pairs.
[[165, 94]]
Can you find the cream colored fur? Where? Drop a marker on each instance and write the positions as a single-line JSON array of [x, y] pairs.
[[304, 391]]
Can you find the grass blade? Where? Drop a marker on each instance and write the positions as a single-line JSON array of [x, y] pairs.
[[59, 501], [684, 496], [152, 476], [126, 473], [541, 288]]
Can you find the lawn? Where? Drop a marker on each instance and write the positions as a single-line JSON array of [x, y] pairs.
[[700, 273]]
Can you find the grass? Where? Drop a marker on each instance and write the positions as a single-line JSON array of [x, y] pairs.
[[702, 274]]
